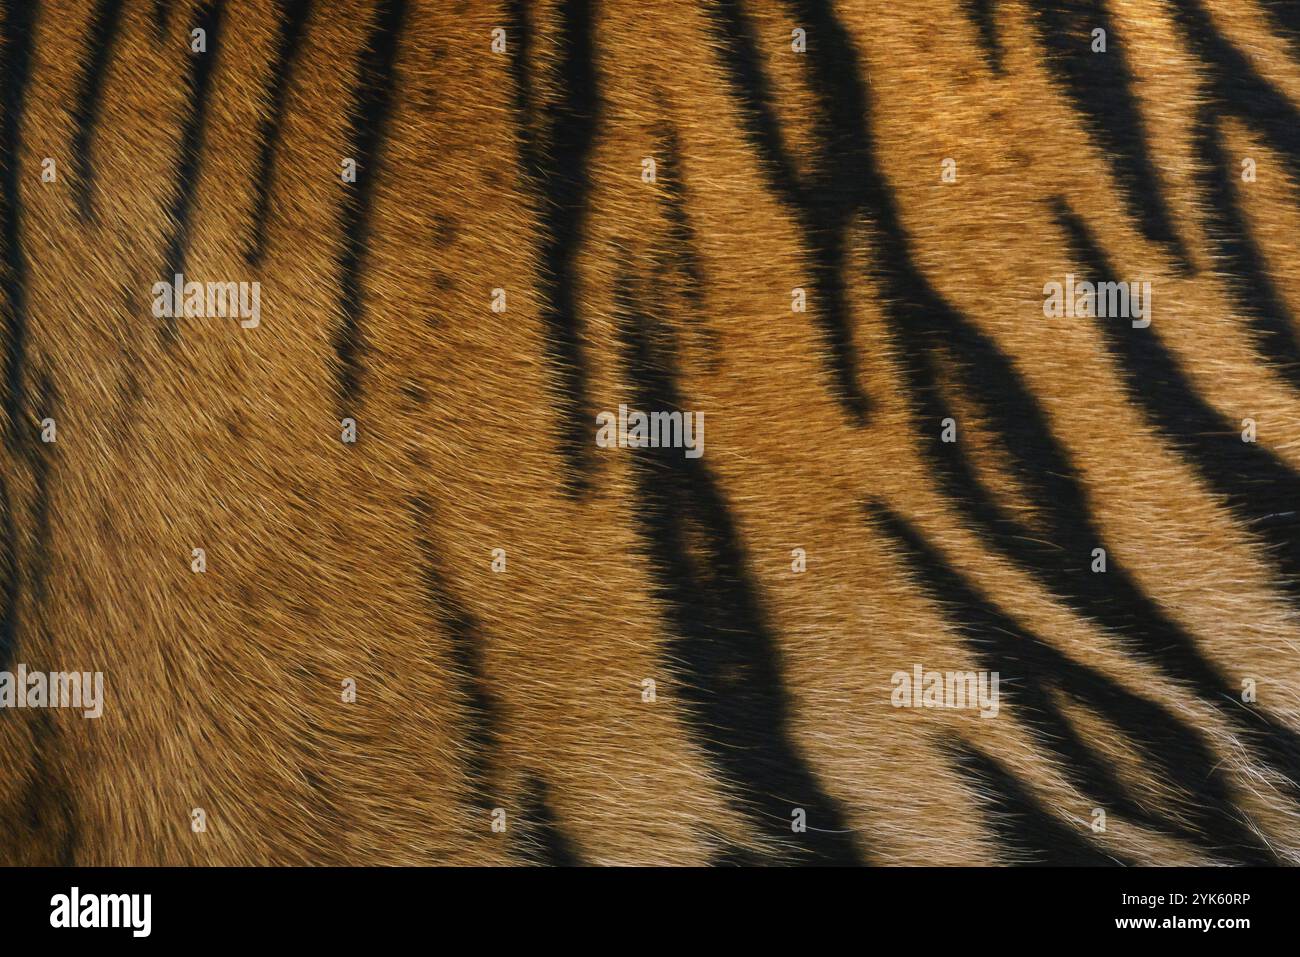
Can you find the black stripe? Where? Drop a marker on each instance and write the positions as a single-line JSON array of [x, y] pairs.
[[1236, 87], [1058, 549], [680, 247], [1286, 16], [162, 11], [293, 19], [1031, 669], [374, 100], [828, 200], [202, 67], [479, 712], [1025, 829], [922, 324], [18, 32], [1261, 490], [1056, 552], [741, 59], [11, 583], [519, 32], [982, 15], [542, 841], [733, 855], [557, 163], [48, 800], [1100, 85], [719, 635], [45, 399], [44, 806], [102, 32], [677, 267], [1238, 259]]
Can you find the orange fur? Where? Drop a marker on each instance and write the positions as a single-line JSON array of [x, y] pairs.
[[223, 688]]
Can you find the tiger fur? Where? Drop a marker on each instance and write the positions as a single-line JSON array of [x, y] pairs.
[[567, 653]]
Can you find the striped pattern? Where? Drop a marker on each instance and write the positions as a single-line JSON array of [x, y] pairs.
[[517, 695]]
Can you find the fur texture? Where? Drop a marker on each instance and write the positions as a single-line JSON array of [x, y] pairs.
[[485, 695]]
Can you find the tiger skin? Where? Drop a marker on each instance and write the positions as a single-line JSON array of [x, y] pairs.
[[504, 714]]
